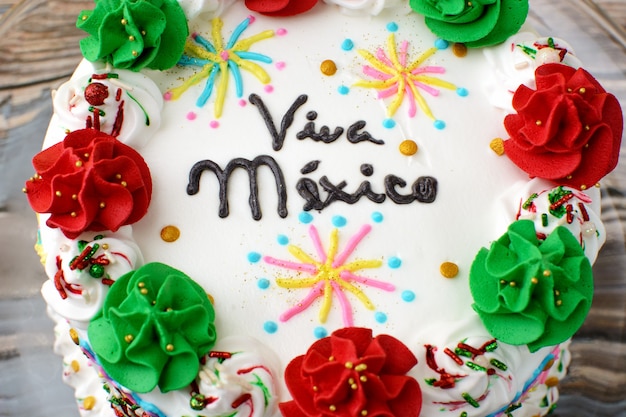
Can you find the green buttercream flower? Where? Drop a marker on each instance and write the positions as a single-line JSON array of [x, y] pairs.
[[476, 23], [134, 34], [154, 326], [533, 292]]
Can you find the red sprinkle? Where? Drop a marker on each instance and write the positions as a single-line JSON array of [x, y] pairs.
[[570, 214], [561, 201], [470, 349], [453, 355], [218, 354], [242, 399], [80, 259], [583, 210]]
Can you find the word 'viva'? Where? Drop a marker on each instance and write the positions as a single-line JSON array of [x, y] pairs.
[[423, 190]]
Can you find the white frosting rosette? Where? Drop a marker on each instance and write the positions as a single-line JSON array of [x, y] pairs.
[[514, 63], [81, 271], [128, 104]]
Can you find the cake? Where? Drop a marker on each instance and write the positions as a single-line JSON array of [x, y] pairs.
[[317, 208]]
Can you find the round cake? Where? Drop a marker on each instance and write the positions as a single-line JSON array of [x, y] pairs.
[[319, 208]]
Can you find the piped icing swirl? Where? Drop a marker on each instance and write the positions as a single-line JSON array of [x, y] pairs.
[[529, 291], [155, 325]]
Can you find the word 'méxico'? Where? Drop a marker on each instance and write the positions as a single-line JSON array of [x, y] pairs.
[[423, 190]]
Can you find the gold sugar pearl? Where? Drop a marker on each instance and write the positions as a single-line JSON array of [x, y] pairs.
[[552, 381], [364, 412], [497, 145], [86, 155], [332, 408], [84, 17], [105, 246], [459, 49], [124, 22], [144, 291], [512, 284], [582, 90], [547, 273], [349, 365], [24, 190], [58, 193], [123, 183], [408, 147], [328, 67], [131, 38], [89, 402], [102, 205], [129, 338], [538, 122], [73, 214], [169, 347], [211, 299], [534, 280], [74, 336], [449, 269], [74, 197], [135, 53], [170, 234], [583, 187], [79, 164], [75, 366]]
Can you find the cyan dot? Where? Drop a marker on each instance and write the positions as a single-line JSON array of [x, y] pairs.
[[392, 27], [270, 327], [254, 257], [377, 217], [380, 317], [339, 221], [462, 92], [343, 90], [408, 296], [320, 332], [282, 240], [394, 262], [347, 45], [305, 217], [389, 123], [263, 283], [441, 44], [439, 124]]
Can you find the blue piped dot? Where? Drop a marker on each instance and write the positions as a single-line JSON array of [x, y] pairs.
[[394, 262], [441, 44], [380, 317], [347, 45], [377, 217], [392, 27], [263, 283], [439, 124], [282, 240], [339, 221], [343, 90], [408, 296], [462, 92], [254, 257], [270, 327], [320, 332], [305, 217], [389, 123]]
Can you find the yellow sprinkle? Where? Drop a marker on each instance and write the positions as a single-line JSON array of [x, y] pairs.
[[361, 367], [354, 386], [84, 18], [449, 269], [170, 233], [349, 365], [75, 366], [89, 402], [363, 378], [552, 381], [328, 67], [408, 147], [497, 145], [129, 338], [211, 299], [74, 336]]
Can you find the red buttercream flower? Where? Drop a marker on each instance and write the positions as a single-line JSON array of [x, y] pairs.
[[567, 130], [352, 374], [89, 181], [280, 7]]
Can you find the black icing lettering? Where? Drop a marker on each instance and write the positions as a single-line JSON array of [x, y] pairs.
[[223, 176], [309, 167], [323, 135], [424, 190], [278, 138], [355, 137], [307, 188], [367, 170]]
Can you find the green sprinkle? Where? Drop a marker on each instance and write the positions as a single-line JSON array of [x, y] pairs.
[[470, 400], [463, 352], [491, 346], [463, 414], [528, 202], [496, 363], [544, 219], [551, 43], [430, 381], [475, 366]]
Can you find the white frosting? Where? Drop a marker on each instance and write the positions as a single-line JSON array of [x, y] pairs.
[[371, 7], [118, 250], [265, 275], [514, 62], [204, 9], [140, 100]]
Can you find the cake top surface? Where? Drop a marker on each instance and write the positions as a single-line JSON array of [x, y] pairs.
[[331, 175]]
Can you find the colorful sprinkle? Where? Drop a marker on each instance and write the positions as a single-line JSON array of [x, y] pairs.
[[214, 124], [263, 283], [282, 240], [269, 89], [270, 327], [439, 124], [347, 45], [408, 296], [305, 217], [191, 116], [392, 27], [254, 257], [408, 147], [320, 332], [281, 32], [343, 90], [377, 217], [328, 67], [170, 234], [462, 92], [441, 44], [459, 49], [389, 123], [380, 317], [449, 269], [339, 221], [394, 262], [280, 65], [497, 145]]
